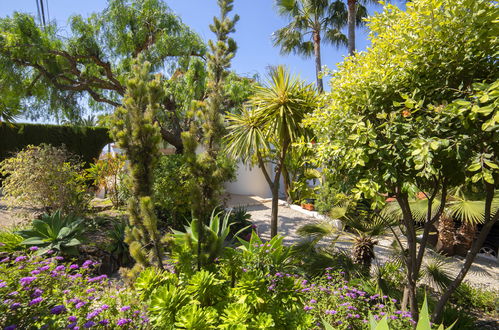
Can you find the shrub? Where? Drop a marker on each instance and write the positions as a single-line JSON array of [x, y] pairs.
[[45, 177], [477, 299], [107, 172], [170, 191], [10, 241], [40, 292], [54, 232], [207, 300]]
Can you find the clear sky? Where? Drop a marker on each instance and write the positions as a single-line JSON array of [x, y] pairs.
[[259, 19]]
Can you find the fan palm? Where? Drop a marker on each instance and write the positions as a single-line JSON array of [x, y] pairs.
[[362, 232], [319, 20], [268, 126], [457, 207]]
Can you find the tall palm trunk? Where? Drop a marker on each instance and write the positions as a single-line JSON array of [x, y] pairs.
[[352, 13], [318, 65]]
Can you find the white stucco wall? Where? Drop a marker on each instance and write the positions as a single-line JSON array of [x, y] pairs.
[[249, 181]]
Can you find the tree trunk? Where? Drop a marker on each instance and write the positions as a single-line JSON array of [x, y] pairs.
[[275, 208], [287, 184], [411, 264], [318, 65], [489, 222], [352, 13]]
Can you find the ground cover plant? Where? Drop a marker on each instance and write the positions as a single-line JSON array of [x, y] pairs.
[[49, 292]]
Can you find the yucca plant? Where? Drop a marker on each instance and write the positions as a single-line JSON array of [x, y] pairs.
[[57, 232]]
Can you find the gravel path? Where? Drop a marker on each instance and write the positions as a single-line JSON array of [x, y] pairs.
[[483, 273]]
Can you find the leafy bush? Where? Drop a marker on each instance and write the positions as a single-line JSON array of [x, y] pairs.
[[54, 232], [10, 241], [207, 300], [239, 221], [45, 177], [170, 191], [106, 172], [476, 299], [329, 197], [42, 292]]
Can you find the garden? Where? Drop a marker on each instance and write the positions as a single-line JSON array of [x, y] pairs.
[[123, 218]]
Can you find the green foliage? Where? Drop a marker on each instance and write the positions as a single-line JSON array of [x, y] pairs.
[[206, 300], [471, 298], [117, 246], [186, 246], [171, 190], [45, 177], [86, 142], [209, 169], [392, 124], [384, 97], [266, 130], [135, 132], [423, 322], [106, 173], [10, 241], [329, 197], [270, 257], [51, 74], [54, 232]]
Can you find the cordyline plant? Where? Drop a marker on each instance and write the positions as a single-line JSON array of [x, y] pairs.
[[272, 122], [417, 112]]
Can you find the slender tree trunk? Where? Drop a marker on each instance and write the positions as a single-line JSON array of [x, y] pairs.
[[410, 289], [275, 208], [318, 65], [287, 184], [352, 13], [489, 222]]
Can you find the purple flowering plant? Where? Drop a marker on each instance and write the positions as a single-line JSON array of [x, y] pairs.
[[344, 306], [42, 291]]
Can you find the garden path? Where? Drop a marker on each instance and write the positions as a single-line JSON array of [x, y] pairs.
[[483, 273]]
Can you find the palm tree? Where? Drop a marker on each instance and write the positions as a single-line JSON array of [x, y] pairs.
[[458, 206], [362, 231], [270, 123], [319, 20], [356, 11]]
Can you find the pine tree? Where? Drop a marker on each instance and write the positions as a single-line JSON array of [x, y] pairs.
[[209, 169], [135, 132]]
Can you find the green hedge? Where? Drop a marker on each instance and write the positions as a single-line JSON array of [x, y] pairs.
[[87, 142]]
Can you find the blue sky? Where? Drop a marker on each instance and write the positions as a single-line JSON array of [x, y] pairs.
[[258, 20]]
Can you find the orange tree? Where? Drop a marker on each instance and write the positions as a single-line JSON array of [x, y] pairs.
[[417, 112]]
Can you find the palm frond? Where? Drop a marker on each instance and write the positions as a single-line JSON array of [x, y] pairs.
[[436, 273]]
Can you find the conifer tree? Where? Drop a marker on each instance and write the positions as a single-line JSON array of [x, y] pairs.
[[135, 132], [209, 169]]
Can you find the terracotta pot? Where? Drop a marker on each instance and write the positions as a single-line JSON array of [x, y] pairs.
[[309, 207]]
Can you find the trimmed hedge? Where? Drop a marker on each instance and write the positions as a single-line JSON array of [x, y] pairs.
[[87, 142]]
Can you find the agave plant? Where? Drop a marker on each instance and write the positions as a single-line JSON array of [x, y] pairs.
[[215, 240], [54, 232]]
